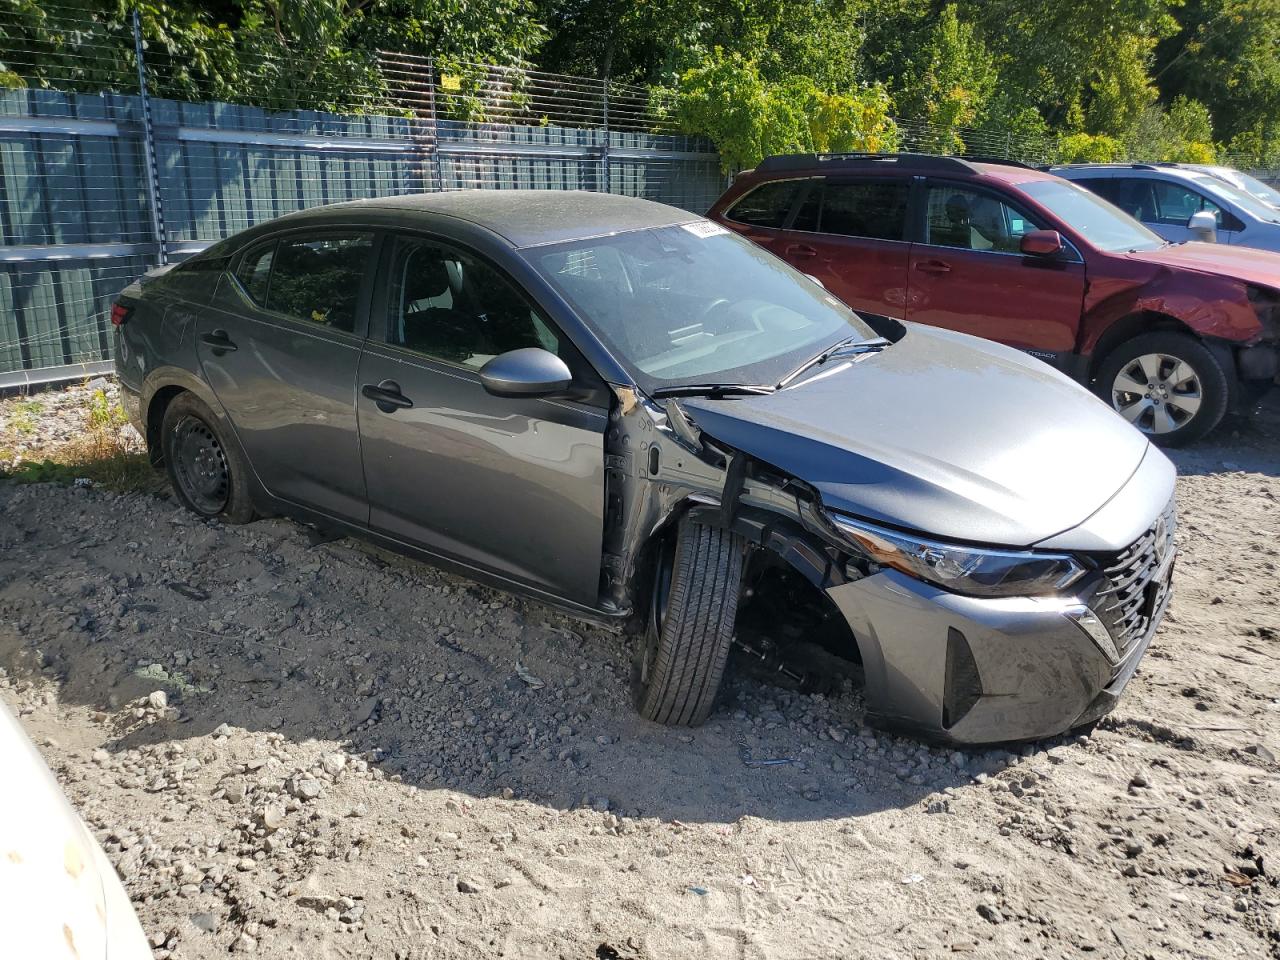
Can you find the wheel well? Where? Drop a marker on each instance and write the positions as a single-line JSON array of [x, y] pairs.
[[160, 401], [1126, 328]]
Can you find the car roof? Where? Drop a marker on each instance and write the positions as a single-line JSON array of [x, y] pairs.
[[1181, 171], [902, 164], [522, 217]]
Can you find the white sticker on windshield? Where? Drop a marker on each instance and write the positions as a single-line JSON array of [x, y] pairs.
[[704, 228]]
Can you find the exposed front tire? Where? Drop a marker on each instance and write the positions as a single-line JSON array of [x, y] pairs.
[[681, 658], [208, 474], [1167, 384]]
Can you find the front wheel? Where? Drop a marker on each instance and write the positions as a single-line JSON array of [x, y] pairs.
[[1168, 385], [681, 658]]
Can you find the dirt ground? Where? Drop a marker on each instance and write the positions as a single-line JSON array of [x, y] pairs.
[[301, 748]]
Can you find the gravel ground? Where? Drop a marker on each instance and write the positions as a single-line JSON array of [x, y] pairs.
[[301, 748]]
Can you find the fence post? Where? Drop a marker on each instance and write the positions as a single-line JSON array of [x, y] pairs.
[[149, 162], [604, 151], [435, 123]]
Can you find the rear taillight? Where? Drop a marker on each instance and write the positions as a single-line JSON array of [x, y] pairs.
[[119, 314]]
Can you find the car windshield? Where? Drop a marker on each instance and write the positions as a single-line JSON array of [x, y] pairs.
[[1106, 227], [1253, 186], [696, 304], [1246, 201]]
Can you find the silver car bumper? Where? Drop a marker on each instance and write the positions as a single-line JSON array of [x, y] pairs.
[[970, 670]]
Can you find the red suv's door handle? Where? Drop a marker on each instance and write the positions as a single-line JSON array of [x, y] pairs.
[[800, 251], [933, 266]]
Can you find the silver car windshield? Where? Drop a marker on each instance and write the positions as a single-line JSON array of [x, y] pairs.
[[1251, 185], [696, 304], [1246, 201], [1105, 226]]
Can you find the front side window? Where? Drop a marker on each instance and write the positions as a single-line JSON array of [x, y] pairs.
[[1090, 216], [876, 210], [450, 306], [971, 220], [696, 304], [767, 205], [317, 280], [1175, 203]]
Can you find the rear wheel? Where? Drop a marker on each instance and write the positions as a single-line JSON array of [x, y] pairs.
[[208, 474], [681, 659], [1168, 385]]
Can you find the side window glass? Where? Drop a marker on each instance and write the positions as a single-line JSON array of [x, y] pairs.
[[1176, 203], [319, 279], [877, 210], [767, 205], [970, 220], [453, 307], [807, 215], [1133, 196], [255, 271]]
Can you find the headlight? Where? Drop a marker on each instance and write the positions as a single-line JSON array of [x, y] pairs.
[[972, 570]]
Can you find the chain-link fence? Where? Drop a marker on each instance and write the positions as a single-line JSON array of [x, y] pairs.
[[100, 178]]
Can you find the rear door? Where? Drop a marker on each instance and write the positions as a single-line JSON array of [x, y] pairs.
[[512, 486], [968, 272], [280, 347], [851, 234]]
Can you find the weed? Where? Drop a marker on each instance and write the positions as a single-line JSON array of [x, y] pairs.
[[25, 416]]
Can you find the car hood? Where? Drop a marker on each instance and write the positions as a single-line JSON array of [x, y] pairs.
[[941, 433], [61, 895], [1259, 267]]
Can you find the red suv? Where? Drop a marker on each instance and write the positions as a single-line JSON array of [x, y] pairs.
[[1172, 335]]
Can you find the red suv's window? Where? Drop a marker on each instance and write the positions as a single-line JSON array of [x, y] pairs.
[[873, 209], [767, 205], [973, 220]]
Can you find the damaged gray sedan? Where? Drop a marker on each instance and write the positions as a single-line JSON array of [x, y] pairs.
[[620, 408]]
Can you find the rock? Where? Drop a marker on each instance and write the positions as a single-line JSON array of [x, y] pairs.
[[222, 730], [273, 816], [234, 791], [158, 700], [244, 944], [989, 913], [100, 756], [367, 710], [333, 763], [205, 922], [1261, 752], [1139, 780], [466, 886], [306, 788]]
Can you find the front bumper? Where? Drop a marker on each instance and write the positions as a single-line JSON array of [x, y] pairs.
[[969, 670]]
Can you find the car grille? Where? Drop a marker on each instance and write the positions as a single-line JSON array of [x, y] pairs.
[[1137, 584]]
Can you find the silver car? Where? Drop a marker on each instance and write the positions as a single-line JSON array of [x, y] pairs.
[[1166, 198], [626, 410]]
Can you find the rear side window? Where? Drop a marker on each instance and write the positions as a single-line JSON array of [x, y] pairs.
[[254, 272], [317, 280], [874, 209], [767, 205]]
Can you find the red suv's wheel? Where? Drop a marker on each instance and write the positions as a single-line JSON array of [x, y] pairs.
[[1166, 384]]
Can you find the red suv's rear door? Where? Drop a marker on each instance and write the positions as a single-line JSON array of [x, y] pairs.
[[851, 233], [968, 273]]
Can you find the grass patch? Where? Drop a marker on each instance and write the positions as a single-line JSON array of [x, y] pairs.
[[25, 417], [101, 453]]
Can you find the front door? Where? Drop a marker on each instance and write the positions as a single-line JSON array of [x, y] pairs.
[[851, 236], [512, 486], [280, 347], [969, 274]]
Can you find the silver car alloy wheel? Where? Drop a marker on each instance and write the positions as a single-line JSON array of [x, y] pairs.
[[1157, 393]]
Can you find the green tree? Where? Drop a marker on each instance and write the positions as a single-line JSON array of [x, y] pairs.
[[956, 76]]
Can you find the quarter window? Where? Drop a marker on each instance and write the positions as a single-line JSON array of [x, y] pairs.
[[767, 205], [317, 280], [877, 210], [970, 220], [453, 307]]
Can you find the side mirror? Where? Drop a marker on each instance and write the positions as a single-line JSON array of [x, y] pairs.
[[528, 372], [1041, 243], [1203, 226]]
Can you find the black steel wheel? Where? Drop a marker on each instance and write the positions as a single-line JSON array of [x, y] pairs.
[[208, 475]]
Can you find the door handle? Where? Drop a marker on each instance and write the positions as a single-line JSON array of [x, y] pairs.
[[386, 396], [218, 341], [933, 266], [801, 251]]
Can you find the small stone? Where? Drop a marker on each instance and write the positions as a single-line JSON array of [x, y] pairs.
[[244, 944], [222, 730], [205, 922], [466, 886], [306, 788], [101, 756], [234, 791], [333, 763], [989, 913], [157, 700], [1261, 752], [1139, 780], [273, 816]]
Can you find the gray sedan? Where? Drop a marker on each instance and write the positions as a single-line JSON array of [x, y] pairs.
[[625, 410]]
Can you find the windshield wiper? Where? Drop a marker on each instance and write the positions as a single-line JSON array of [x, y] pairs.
[[849, 345], [712, 390]]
